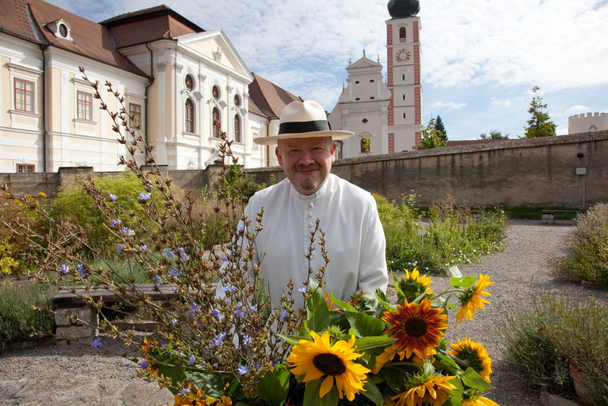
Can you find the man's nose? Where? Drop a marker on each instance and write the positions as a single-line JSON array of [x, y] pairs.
[[306, 158]]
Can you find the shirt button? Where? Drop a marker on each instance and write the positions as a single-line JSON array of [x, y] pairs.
[[311, 205], [311, 224], [310, 214]]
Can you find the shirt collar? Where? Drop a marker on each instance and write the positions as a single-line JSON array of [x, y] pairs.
[[322, 190]]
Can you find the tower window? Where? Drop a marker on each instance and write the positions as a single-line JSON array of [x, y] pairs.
[[237, 100], [217, 123], [215, 92], [357, 82], [403, 97], [237, 129], [358, 98], [372, 98], [403, 77], [364, 121], [402, 36], [404, 115], [371, 81], [189, 82]]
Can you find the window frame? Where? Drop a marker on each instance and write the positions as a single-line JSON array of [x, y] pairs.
[[86, 104], [26, 168], [216, 132], [135, 113], [238, 136], [26, 93], [189, 116]]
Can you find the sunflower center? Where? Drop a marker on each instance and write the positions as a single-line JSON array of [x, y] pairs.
[[329, 364], [416, 327]]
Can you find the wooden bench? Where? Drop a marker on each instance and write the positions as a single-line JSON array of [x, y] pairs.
[[549, 215], [75, 319]]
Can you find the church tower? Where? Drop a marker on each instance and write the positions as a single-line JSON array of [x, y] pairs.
[[403, 75]]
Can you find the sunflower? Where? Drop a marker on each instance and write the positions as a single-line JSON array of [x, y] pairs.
[[476, 355], [433, 389], [319, 359], [480, 401], [391, 353], [470, 300], [423, 282], [416, 327]]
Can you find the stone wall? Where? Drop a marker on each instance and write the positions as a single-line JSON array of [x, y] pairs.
[[538, 172]]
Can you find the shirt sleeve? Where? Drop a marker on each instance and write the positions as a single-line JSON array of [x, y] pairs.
[[373, 272]]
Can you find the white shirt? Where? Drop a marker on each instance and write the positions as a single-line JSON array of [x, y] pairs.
[[354, 238]]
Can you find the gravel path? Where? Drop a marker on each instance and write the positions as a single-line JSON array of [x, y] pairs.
[[78, 375]]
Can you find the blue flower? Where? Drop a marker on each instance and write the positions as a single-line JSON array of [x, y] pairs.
[[247, 339], [81, 272], [303, 289], [224, 258], [113, 197], [119, 249], [175, 273], [241, 227], [253, 308], [143, 247], [216, 313], [191, 360], [64, 269], [116, 222], [158, 280], [168, 252], [283, 315], [143, 364], [243, 370], [128, 231], [96, 343], [174, 321], [229, 288], [184, 391], [144, 197], [219, 340], [182, 253], [195, 308]]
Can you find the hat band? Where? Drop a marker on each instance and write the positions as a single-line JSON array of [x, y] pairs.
[[303, 127]]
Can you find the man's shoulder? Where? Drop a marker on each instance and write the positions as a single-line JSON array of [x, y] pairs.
[[350, 188], [271, 192]]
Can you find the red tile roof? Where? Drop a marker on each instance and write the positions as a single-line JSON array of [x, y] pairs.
[[269, 98], [27, 20]]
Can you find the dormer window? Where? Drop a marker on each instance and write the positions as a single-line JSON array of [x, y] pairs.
[[61, 29]]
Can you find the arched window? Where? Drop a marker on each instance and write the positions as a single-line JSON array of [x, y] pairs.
[[237, 128], [215, 92], [237, 100], [189, 122], [217, 123], [365, 145], [402, 37], [189, 82]]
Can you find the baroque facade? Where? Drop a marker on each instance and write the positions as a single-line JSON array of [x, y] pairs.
[[176, 78]]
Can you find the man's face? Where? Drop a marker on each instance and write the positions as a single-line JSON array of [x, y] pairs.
[[306, 161]]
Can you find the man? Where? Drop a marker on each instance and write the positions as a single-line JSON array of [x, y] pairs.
[[348, 215]]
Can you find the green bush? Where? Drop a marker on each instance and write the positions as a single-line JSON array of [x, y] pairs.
[[587, 247], [545, 339], [453, 235], [18, 321]]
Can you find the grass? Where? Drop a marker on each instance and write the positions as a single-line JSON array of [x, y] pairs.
[[18, 321]]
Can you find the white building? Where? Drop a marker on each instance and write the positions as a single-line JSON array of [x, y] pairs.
[[582, 123], [176, 79]]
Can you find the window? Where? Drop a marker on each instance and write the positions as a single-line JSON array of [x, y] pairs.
[[134, 115], [402, 97], [371, 81], [365, 145], [85, 106], [364, 121], [217, 123], [189, 82], [356, 82], [26, 168], [402, 36], [237, 128], [404, 115], [372, 98], [215, 92], [237, 100], [25, 95], [189, 116], [402, 77]]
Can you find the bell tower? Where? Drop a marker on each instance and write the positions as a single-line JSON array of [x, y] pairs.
[[403, 75]]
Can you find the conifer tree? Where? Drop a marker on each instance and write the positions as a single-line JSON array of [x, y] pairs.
[[431, 137], [540, 124], [440, 127]]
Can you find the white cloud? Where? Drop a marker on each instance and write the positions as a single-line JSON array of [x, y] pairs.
[[448, 106]]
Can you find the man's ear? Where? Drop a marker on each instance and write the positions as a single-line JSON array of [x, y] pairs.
[[277, 152], [333, 152]]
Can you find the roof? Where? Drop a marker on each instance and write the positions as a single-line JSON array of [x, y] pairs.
[[28, 20], [269, 98], [149, 25]]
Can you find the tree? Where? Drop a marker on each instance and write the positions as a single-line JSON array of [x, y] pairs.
[[493, 135], [540, 124], [440, 127], [431, 137]]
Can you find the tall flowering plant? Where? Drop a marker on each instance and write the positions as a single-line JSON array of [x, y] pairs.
[[218, 339]]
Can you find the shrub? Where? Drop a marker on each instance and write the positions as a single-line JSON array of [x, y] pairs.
[[18, 321], [587, 248], [544, 340], [454, 234]]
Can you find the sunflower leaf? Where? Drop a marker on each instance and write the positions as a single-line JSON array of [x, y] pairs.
[[367, 343], [341, 304], [446, 363], [211, 384], [365, 325], [473, 380], [456, 395], [371, 392], [293, 340], [463, 282], [274, 387], [311, 395], [318, 317], [395, 378], [383, 300]]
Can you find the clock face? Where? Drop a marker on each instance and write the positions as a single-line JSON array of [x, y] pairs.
[[403, 55]]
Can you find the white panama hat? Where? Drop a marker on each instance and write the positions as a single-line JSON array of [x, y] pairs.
[[303, 120]]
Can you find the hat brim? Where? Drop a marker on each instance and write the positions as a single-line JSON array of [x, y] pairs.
[[336, 135]]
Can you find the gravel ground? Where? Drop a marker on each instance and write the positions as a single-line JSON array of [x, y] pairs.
[[78, 375]]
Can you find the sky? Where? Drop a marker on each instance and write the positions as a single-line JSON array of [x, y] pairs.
[[480, 58]]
